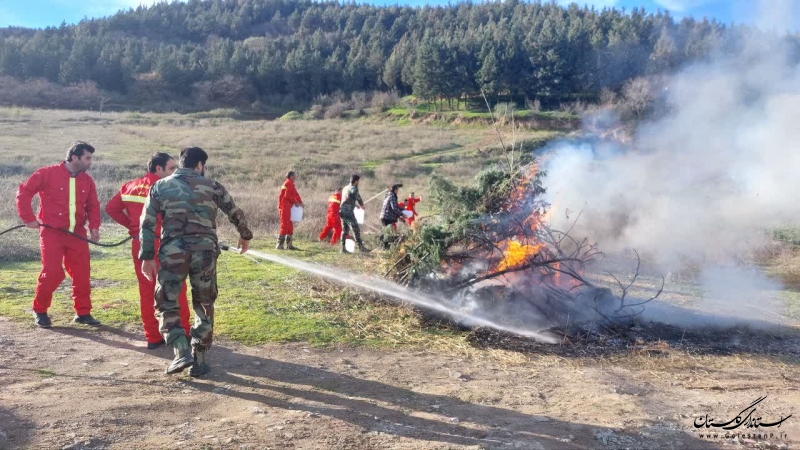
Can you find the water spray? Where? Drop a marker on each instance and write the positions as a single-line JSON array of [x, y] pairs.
[[394, 290]]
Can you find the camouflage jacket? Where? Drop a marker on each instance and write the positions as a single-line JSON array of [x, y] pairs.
[[188, 204], [350, 196]]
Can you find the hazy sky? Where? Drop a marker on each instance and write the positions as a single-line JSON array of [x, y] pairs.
[[42, 13]]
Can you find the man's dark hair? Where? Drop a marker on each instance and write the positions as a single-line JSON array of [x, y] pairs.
[[78, 149], [190, 156], [289, 174], [354, 178], [158, 160]]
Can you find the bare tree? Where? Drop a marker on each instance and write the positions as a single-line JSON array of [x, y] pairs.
[[638, 95]]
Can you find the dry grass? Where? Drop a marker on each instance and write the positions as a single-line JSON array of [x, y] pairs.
[[249, 157]]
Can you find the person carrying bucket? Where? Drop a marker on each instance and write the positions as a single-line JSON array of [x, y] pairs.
[[410, 205], [391, 212], [334, 223], [288, 198], [350, 197]]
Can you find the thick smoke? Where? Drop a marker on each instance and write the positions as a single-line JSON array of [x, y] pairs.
[[708, 179]]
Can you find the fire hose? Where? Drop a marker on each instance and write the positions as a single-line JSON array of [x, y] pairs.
[[44, 225]]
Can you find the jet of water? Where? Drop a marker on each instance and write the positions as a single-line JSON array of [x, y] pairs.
[[397, 292]]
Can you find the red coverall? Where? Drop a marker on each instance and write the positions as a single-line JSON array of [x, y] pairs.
[[334, 222], [66, 202], [411, 202], [286, 200], [126, 209]]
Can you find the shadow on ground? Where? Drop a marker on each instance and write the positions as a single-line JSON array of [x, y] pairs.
[[377, 406]]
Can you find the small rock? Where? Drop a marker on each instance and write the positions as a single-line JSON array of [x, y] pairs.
[[603, 435], [210, 436], [255, 363], [230, 440], [257, 410], [124, 364], [187, 391], [313, 414], [289, 436], [3, 435], [436, 406], [278, 428], [454, 420], [71, 435], [540, 419], [218, 391]]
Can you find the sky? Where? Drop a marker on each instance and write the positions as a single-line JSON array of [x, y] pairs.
[[42, 13]]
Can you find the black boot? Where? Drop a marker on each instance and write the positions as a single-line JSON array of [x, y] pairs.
[[200, 366], [361, 247], [86, 319], [155, 345], [289, 245], [183, 355], [43, 320], [344, 246], [281, 238]]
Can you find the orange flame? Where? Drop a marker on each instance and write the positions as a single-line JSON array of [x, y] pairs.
[[517, 254]]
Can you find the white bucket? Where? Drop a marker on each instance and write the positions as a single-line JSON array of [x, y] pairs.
[[359, 213], [408, 213], [297, 213], [350, 245]]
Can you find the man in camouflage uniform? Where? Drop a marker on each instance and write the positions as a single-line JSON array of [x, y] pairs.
[[350, 197], [188, 204]]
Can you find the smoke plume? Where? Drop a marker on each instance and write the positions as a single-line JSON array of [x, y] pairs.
[[706, 180]]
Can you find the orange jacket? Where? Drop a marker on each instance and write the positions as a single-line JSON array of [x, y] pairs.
[[334, 202], [127, 205], [289, 195], [66, 202]]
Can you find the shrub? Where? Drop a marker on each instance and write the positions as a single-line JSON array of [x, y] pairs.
[[336, 110]]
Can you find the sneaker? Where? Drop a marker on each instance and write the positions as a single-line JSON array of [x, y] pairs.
[[43, 320], [86, 319], [155, 345]]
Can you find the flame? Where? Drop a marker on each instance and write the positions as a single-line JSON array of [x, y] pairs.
[[517, 254]]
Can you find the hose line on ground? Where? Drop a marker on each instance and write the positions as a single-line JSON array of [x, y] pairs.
[[43, 225]]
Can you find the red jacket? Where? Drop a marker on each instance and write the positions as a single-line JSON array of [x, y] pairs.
[[333, 204], [411, 202], [289, 195], [66, 202], [127, 205]]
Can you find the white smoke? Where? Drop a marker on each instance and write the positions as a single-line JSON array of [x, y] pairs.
[[709, 180]]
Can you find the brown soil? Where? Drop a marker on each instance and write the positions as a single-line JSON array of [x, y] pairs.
[[75, 387]]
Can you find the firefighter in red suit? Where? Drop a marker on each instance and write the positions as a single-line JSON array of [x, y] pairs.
[[126, 209], [334, 222], [68, 200], [288, 198], [410, 205]]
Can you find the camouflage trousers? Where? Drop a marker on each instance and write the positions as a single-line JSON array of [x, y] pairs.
[[201, 268], [349, 221]]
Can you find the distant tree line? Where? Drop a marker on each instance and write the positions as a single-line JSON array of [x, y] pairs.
[[237, 52]]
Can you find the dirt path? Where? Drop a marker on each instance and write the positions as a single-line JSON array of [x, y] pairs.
[[72, 387]]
